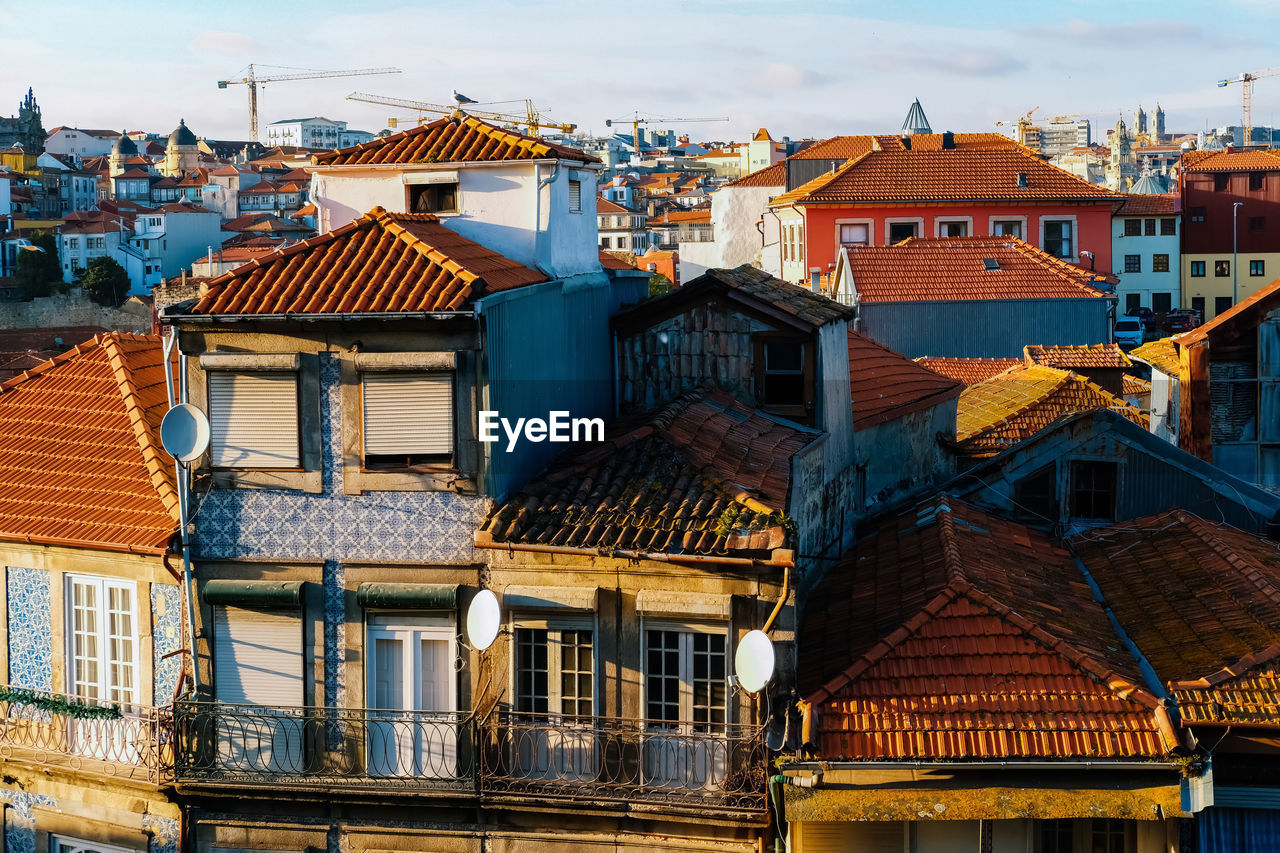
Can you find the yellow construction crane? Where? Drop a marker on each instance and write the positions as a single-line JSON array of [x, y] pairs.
[[1021, 124], [1245, 80], [251, 80], [636, 121], [531, 118]]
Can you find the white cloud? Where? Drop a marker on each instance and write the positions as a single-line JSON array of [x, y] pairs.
[[220, 41]]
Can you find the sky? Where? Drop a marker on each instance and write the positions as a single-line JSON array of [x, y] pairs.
[[799, 68]]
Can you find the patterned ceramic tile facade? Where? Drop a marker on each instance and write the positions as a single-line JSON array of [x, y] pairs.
[[30, 628], [20, 823], [164, 833], [335, 636], [166, 633]]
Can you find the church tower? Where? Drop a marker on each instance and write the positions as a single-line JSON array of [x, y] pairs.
[[1140, 122], [1121, 170], [30, 127], [124, 150], [1159, 122], [182, 153]]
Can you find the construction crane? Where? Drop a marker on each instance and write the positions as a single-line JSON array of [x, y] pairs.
[[636, 121], [1245, 80], [251, 80], [531, 119], [1021, 124]]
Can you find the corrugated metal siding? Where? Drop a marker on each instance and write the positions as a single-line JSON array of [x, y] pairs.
[[985, 329]]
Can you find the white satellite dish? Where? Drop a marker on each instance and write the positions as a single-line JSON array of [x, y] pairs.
[[184, 433], [484, 617], [754, 660]]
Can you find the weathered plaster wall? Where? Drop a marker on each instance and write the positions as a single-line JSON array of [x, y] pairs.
[[904, 454]]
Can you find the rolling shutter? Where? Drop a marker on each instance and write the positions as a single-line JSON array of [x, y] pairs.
[[253, 419], [257, 657], [575, 196], [408, 414]]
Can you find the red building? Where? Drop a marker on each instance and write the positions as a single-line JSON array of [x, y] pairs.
[[943, 185]]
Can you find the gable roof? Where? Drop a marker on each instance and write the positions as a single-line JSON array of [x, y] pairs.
[[1149, 204], [1161, 354], [770, 176], [603, 205], [451, 140], [705, 475], [968, 371], [950, 633], [999, 412], [804, 305], [382, 262], [1075, 356], [1263, 300], [80, 457], [886, 385], [946, 269], [1259, 159]]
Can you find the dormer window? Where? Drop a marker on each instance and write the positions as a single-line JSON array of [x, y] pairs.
[[434, 198], [784, 376]]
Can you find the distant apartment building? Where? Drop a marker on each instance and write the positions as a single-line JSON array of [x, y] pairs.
[[1213, 183], [314, 132], [80, 242], [621, 230], [1145, 246], [1064, 133], [86, 142]]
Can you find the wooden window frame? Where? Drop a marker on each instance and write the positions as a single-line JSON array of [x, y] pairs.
[[555, 627], [802, 412]]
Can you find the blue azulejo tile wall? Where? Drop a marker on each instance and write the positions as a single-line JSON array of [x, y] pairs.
[[30, 635], [166, 633]]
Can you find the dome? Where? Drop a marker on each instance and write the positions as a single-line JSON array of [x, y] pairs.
[[124, 146], [1152, 184], [182, 135]]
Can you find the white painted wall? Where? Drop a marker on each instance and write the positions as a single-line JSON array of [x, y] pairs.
[[1146, 282], [69, 140]]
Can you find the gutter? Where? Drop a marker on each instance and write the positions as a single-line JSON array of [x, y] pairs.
[[352, 315], [780, 558], [26, 539], [1077, 764]]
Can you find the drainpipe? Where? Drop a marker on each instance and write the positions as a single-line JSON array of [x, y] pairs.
[[540, 182], [184, 497]]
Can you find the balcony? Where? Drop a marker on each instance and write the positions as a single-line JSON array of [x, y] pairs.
[[58, 730], [683, 767]]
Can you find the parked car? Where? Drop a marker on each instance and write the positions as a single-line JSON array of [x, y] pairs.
[[1129, 332], [1145, 315], [1181, 320]]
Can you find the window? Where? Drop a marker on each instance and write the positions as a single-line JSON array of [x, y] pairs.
[[1037, 494], [1257, 181], [1007, 228], [1197, 269], [1221, 304], [102, 643], [66, 844], [1161, 303], [955, 228], [1093, 489], [575, 196], [408, 419], [73, 242], [1132, 302], [555, 669], [1133, 228], [1257, 224], [854, 235], [1221, 269], [1197, 214], [1056, 836], [1159, 263], [1133, 263], [782, 377], [253, 419], [433, 198], [1197, 305], [1150, 226], [1108, 836], [606, 243], [410, 678], [686, 678], [1057, 239], [1257, 267], [899, 231], [1221, 182]]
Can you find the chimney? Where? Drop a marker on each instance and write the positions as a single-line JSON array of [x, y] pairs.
[[948, 141], [815, 279], [1022, 180], [906, 142]]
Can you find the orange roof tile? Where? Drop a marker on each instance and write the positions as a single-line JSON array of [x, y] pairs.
[[80, 457], [451, 140], [948, 633], [382, 262], [673, 217], [886, 385], [603, 205], [770, 176], [1133, 386], [1001, 411], [1161, 354], [969, 371], [705, 475], [1149, 204], [1072, 357], [986, 173], [613, 261], [953, 268], [1263, 159], [308, 209]]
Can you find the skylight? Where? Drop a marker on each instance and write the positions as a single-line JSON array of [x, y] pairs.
[[990, 264]]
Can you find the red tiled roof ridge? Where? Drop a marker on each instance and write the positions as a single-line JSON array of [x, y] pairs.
[[1064, 377], [1034, 353], [1241, 667], [535, 146]]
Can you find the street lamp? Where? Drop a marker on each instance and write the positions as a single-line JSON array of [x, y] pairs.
[[1235, 265]]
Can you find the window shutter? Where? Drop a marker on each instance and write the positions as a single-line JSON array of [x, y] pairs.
[[575, 196], [257, 657], [408, 413], [253, 419]]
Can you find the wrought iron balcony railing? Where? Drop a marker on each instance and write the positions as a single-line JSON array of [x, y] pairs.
[[86, 735], [343, 748], [678, 765]]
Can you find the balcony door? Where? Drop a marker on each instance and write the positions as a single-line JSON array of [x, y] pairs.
[[102, 664], [686, 700], [411, 697], [555, 736]]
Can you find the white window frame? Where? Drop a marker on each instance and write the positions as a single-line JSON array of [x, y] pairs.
[[106, 688], [686, 629], [939, 221], [555, 626], [1075, 235], [992, 220], [869, 223], [890, 221], [67, 844]]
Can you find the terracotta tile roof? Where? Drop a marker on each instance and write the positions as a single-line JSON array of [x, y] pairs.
[[261, 188], [1263, 159], [983, 173], [239, 254], [1133, 386], [612, 261], [225, 172], [603, 205], [948, 633], [449, 140], [953, 268], [886, 385], [80, 457], [770, 176], [969, 371], [1202, 602], [135, 174], [308, 209], [1161, 354], [1264, 299], [1001, 411], [1149, 204], [1074, 357], [381, 262], [705, 475], [264, 222], [675, 217], [801, 303]]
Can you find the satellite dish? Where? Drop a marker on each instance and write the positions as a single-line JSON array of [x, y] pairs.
[[483, 619], [184, 433], [753, 662]]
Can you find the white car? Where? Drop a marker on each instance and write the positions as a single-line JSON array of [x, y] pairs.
[[1129, 332]]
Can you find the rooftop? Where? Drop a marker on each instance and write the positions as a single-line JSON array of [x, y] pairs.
[[886, 385], [1145, 204], [1077, 356], [450, 140], [1161, 354], [1263, 159], [1263, 300], [969, 371]]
